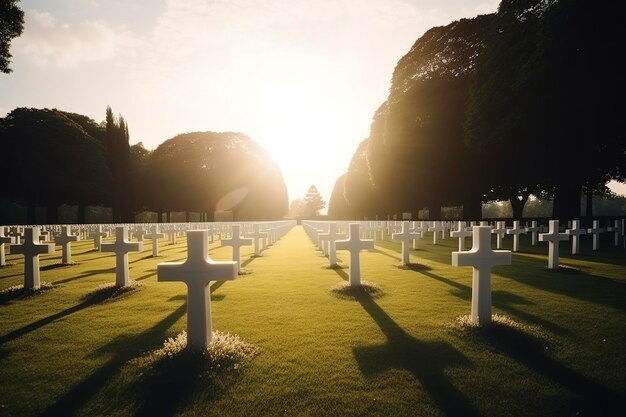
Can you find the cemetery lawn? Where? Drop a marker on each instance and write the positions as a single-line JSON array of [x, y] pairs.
[[562, 353]]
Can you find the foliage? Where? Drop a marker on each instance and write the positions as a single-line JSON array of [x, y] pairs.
[[313, 202], [11, 26]]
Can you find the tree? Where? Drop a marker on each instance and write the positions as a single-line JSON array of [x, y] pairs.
[[11, 26], [117, 146], [546, 87], [204, 171], [53, 161], [314, 202]]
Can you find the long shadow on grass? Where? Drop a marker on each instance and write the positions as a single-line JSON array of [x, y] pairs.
[[503, 300], [593, 398], [572, 283], [123, 349], [425, 360], [98, 298]]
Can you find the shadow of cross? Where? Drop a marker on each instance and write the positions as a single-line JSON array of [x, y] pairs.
[[426, 360]]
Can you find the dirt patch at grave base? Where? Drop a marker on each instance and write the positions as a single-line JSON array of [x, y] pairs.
[[413, 267], [109, 291], [501, 327], [18, 291], [344, 291]]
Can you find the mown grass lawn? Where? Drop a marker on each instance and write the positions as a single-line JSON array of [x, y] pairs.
[[70, 351]]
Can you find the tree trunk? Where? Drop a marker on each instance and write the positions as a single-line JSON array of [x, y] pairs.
[[187, 216], [81, 213], [517, 205], [472, 208], [567, 202], [434, 212], [31, 213], [52, 213]]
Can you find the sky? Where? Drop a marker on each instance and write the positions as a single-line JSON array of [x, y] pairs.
[[302, 78]]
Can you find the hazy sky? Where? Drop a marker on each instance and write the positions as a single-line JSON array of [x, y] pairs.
[[300, 77]]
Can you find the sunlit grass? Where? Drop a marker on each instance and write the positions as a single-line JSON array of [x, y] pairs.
[[558, 350]]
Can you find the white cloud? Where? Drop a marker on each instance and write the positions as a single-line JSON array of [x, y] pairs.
[[47, 41]]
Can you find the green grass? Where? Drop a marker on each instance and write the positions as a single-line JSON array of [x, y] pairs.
[[80, 349]]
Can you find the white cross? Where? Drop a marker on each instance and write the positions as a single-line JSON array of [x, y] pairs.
[[257, 238], [97, 236], [354, 245], [121, 247], [437, 227], [615, 229], [4, 239], [197, 271], [553, 237], [481, 258], [461, 233], [237, 241], [533, 229], [595, 231], [405, 236], [31, 249], [499, 231], [575, 232], [419, 230], [516, 230], [65, 239], [154, 236], [331, 238]]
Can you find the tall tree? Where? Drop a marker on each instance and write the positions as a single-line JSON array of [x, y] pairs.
[[117, 146], [313, 202], [11, 26]]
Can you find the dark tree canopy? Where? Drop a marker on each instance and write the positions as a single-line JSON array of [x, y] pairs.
[[53, 160], [313, 202], [195, 171], [11, 26]]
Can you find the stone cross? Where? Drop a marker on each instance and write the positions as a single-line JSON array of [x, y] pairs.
[[575, 232], [595, 231], [354, 245], [331, 238], [121, 247], [405, 236], [419, 230], [437, 227], [97, 236], [237, 241], [4, 239], [553, 237], [258, 238], [31, 249], [65, 239], [154, 236], [481, 258], [615, 229], [516, 230], [499, 231], [197, 271], [461, 233], [533, 230]]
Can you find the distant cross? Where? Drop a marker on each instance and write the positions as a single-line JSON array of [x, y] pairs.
[[615, 229], [354, 245], [237, 241], [331, 238], [405, 236], [16, 234], [481, 258], [121, 247], [516, 230], [437, 227], [444, 231], [533, 230], [595, 231], [461, 233], [553, 237], [154, 236], [420, 232], [575, 232], [97, 236], [4, 239], [31, 249], [65, 239], [499, 231], [197, 272], [257, 238], [138, 232]]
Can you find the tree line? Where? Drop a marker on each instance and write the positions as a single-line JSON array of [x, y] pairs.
[[525, 101], [53, 158]]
